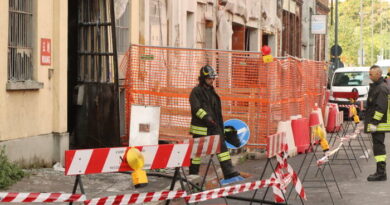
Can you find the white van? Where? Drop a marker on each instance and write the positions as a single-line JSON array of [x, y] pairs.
[[385, 65], [346, 79]]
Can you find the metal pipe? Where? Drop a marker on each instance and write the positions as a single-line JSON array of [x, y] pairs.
[[361, 53]]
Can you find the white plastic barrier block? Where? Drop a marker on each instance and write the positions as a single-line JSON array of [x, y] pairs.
[[285, 126]]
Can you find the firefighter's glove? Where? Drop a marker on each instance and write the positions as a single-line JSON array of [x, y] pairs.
[[231, 136], [372, 128], [210, 122]]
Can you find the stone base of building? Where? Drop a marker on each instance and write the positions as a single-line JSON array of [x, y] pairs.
[[37, 151]]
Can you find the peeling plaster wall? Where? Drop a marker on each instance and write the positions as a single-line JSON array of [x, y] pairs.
[[308, 39]]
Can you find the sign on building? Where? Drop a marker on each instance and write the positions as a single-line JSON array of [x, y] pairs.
[[318, 24], [45, 51]]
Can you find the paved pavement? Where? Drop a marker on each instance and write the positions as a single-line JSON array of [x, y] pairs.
[[355, 190]]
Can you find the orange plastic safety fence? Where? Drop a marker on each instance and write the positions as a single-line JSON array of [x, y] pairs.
[[260, 94]]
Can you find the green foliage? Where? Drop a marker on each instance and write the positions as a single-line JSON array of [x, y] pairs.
[[376, 30], [9, 173]]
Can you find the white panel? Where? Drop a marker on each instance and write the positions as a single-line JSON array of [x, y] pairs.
[[144, 125], [205, 146], [195, 147], [80, 162], [21, 197], [177, 156], [141, 198], [149, 153], [215, 144], [114, 159]]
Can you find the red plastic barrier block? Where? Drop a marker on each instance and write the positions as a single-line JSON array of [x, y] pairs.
[[301, 132]]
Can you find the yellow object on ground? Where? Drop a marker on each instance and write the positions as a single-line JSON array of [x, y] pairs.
[[136, 161], [353, 111], [320, 134]]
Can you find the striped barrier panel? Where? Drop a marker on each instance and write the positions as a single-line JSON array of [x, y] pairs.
[[204, 146], [105, 160], [274, 144]]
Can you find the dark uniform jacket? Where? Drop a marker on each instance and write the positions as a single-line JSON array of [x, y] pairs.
[[377, 106], [205, 104]]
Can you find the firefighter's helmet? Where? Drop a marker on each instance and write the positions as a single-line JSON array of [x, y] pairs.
[[207, 72]]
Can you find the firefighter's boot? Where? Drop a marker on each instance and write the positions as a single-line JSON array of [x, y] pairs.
[[194, 166], [228, 169], [380, 174], [230, 175]]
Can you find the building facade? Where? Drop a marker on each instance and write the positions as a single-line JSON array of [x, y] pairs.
[[33, 74], [35, 95]]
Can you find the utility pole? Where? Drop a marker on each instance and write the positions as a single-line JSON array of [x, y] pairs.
[[336, 29], [372, 32]]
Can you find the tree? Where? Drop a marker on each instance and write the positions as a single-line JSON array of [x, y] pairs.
[[349, 30]]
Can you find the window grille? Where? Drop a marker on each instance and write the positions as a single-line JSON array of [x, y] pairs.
[[20, 31]]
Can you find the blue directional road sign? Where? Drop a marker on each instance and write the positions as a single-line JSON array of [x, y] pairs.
[[242, 132]]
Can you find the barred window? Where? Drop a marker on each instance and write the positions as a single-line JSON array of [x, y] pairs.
[[122, 31], [20, 31]]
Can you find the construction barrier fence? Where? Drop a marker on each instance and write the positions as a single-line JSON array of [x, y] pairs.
[[260, 94]]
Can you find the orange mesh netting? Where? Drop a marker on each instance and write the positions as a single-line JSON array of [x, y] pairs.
[[258, 93]]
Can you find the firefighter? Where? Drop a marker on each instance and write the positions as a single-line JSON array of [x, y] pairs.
[[207, 120], [377, 122]]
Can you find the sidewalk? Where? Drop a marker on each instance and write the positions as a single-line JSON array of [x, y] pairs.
[[355, 190]]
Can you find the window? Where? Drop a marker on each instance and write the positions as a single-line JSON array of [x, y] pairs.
[[20, 67], [122, 31], [351, 79]]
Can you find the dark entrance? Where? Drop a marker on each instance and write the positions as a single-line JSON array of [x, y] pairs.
[[93, 110]]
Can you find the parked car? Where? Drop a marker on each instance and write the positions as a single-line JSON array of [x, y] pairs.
[[350, 79]]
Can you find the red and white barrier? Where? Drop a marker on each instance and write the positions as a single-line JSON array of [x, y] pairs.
[[229, 190], [284, 173], [275, 144], [203, 146], [137, 198], [40, 197], [333, 151], [104, 160]]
